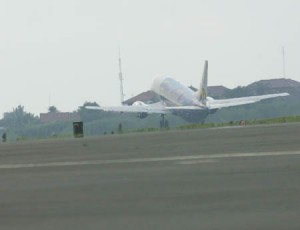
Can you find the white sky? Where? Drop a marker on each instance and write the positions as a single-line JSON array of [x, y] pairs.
[[67, 50]]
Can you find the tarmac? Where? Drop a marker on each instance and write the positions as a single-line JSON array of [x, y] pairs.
[[222, 178]]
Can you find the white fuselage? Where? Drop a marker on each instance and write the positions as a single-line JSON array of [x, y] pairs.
[[176, 93]]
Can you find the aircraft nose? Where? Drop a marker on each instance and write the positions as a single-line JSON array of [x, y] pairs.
[[157, 80]]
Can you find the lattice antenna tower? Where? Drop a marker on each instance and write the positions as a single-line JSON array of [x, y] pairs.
[[283, 62], [121, 78]]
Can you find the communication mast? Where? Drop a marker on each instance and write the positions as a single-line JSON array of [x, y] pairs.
[[121, 78], [283, 61]]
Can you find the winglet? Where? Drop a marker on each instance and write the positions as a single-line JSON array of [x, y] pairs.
[[201, 94]]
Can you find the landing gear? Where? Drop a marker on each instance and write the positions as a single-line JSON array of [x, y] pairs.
[[164, 124]]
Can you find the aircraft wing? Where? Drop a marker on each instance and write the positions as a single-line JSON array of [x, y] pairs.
[[160, 108], [145, 108], [217, 104], [176, 108], [150, 109]]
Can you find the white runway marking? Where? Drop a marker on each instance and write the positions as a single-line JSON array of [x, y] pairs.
[[144, 160], [192, 162]]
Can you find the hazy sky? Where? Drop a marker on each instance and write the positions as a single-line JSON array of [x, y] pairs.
[[67, 50]]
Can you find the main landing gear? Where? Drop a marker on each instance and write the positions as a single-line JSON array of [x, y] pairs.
[[164, 124]]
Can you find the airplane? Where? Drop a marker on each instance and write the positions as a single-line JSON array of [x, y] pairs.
[[181, 101]]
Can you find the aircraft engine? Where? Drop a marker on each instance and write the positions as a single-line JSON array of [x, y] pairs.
[[139, 103], [208, 100], [142, 115]]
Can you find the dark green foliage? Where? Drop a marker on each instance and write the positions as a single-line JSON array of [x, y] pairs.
[[18, 118], [88, 115], [17, 121], [55, 129], [52, 109]]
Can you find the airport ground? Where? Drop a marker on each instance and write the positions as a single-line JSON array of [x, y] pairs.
[[227, 178]]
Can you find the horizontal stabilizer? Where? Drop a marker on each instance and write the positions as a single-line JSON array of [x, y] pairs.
[[218, 104]]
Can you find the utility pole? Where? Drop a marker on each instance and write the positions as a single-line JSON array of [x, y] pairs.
[[283, 62], [49, 101], [121, 78]]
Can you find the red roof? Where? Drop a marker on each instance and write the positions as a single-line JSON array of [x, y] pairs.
[[53, 117]]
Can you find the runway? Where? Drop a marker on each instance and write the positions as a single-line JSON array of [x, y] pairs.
[[232, 178]]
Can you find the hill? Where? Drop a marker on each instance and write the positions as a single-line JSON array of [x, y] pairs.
[[275, 86], [265, 87], [257, 88], [287, 106]]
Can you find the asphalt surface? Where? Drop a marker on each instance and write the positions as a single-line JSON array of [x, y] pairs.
[[230, 178]]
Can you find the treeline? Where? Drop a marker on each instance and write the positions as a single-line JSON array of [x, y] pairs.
[[271, 108], [21, 125]]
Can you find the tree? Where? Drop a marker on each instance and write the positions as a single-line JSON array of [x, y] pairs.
[[18, 118], [52, 109], [87, 114]]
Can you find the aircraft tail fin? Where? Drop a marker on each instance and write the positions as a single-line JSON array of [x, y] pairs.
[[201, 94]]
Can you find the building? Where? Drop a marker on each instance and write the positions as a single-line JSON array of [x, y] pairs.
[[59, 116]]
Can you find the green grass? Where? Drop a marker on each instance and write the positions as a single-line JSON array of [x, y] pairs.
[[278, 120]]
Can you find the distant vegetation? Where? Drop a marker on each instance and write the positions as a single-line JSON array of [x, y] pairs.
[[22, 125]]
